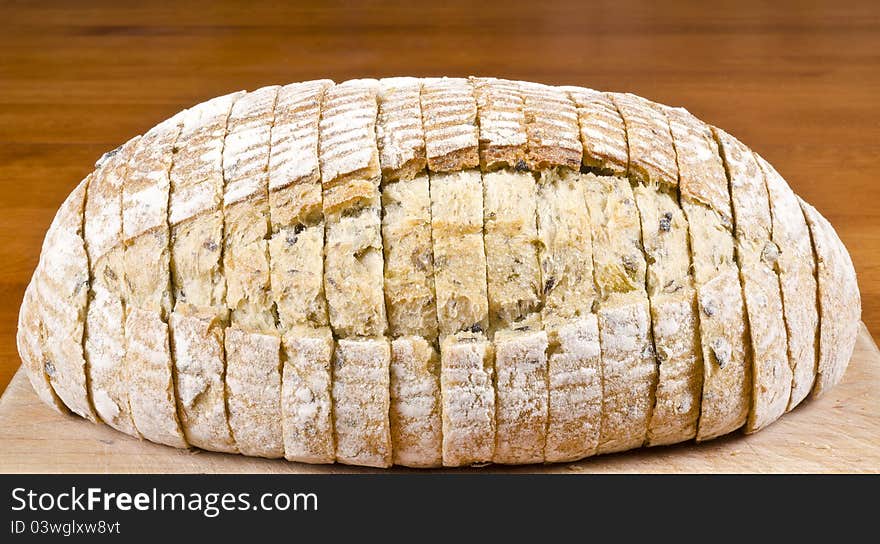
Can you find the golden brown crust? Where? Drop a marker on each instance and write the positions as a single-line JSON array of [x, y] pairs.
[[399, 132], [551, 126], [602, 131], [502, 123], [449, 117]]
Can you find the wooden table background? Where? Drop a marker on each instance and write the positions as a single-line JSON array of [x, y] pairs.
[[798, 81]]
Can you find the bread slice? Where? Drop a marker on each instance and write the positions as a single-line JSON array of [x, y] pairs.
[[353, 261], [650, 145], [253, 391], [148, 294], [409, 276], [197, 347], [449, 112], [399, 132], [200, 314], [757, 256], [503, 139], [840, 306], [796, 267], [567, 291], [602, 132], [510, 233], [551, 127], [295, 203], [105, 319], [705, 199], [521, 396], [574, 371], [629, 369], [30, 344], [415, 403], [459, 256], [252, 342], [306, 400], [674, 320], [468, 399], [653, 171], [62, 289], [361, 401]]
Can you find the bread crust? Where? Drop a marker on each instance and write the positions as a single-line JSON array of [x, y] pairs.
[[449, 117], [840, 305], [797, 273], [602, 132], [29, 342], [416, 434], [467, 369], [502, 123], [551, 127], [361, 401]]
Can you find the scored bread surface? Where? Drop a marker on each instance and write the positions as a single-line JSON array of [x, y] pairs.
[[435, 272]]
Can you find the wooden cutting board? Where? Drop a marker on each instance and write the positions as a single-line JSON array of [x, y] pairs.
[[837, 433]]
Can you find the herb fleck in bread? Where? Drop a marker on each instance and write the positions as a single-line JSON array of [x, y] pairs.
[[435, 272]]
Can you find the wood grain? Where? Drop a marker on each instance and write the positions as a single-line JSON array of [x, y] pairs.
[[837, 433], [795, 80]]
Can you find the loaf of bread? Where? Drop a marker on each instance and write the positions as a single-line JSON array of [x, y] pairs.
[[435, 272]]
